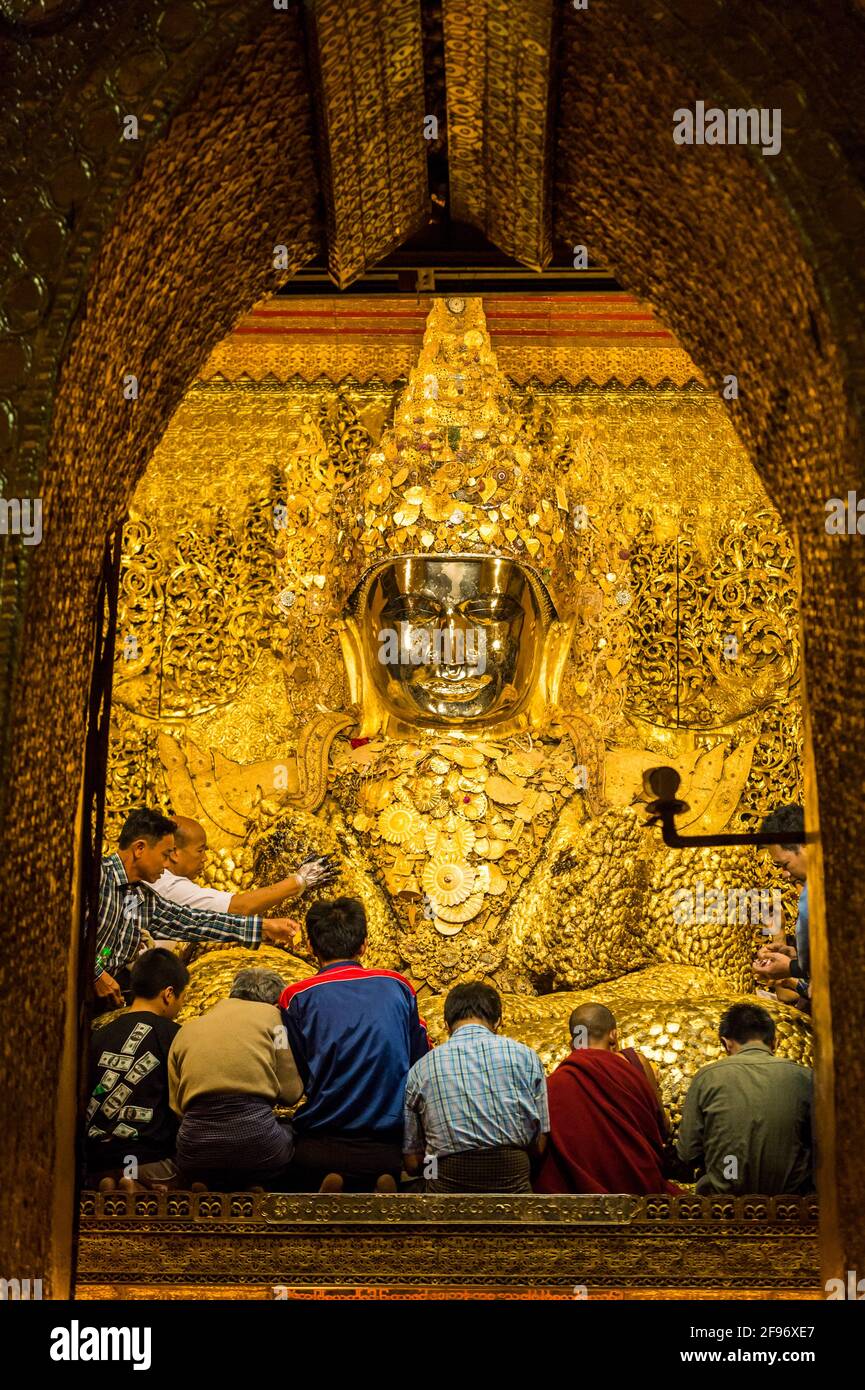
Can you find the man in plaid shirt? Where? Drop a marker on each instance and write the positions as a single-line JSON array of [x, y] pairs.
[[128, 906], [476, 1106]]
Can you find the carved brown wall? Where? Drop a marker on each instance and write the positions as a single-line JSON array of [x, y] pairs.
[[138, 258], [750, 260], [190, 246]]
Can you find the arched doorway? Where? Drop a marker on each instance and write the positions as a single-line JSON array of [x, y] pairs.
[[743, 258]]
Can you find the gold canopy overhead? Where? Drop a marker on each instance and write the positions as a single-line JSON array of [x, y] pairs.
[[486, 113]]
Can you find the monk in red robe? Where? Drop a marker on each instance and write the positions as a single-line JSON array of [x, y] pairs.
[[607, 1120]]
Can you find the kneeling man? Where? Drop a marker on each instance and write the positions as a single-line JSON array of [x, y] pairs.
[[607, 1123], [476, 1107]]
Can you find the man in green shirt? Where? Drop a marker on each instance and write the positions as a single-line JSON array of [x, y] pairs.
[[746, 1120]]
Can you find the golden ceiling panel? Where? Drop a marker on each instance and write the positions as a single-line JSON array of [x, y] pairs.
[[367, 65], [498, 58], [572, 338]]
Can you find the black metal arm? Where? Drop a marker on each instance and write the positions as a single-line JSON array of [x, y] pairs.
[[664, 782]]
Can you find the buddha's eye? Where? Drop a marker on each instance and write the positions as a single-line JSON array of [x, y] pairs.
[[411, 608], [491, 608]]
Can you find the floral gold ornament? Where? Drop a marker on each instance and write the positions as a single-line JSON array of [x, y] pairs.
[[448, 881], [460, 912], [399, 824]]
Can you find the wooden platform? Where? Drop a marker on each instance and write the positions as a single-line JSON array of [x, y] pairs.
[[275, 1245]]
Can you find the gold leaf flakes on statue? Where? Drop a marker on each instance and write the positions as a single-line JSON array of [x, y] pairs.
[[489, 750], [438, 508], [374, 796], [379, 490], [534, 803], [366, 754], [462, 912], [471, 805], [498, 883], [442, 844], [524, 763], [398, 824], [463, 757], [448, 882], [501, 790]]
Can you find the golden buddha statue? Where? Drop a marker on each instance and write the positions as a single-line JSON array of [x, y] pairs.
[[491, 827]]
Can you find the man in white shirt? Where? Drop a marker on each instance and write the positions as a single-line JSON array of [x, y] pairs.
[[178, 884]]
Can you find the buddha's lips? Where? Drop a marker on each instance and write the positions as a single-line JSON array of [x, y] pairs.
[[460, 688]]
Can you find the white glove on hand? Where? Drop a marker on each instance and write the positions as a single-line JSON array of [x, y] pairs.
[[316, 870]]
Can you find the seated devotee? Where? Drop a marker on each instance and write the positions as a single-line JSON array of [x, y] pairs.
[[747, 1118], [129, 908], [475, 1107], [607, 1120], [227, 1070], [354, 1033], [130, 1126], [177, 883], [789, 967]]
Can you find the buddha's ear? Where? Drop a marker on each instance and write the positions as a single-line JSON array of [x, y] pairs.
[[557, 645], [361, 691], [350, 644]]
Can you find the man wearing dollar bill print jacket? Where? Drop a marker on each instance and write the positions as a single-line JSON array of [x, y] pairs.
[[128, 906], [130, 1129]]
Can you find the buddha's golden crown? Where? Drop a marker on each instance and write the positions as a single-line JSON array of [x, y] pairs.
[[458, 471]]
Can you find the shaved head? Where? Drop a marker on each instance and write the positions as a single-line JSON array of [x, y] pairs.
[[190, 848], [188, 831], [592, 1021]]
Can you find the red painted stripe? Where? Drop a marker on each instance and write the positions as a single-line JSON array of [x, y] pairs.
[[401, 333], [419, 315], [523, 318]]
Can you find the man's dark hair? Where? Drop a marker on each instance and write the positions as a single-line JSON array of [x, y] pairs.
[[144, 824], [473, 1000], [788, 819], [155, 970], [744, 1023], [336, 929]]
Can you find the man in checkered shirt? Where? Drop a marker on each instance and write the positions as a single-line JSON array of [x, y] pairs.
[[476, 1108], [128, 906]]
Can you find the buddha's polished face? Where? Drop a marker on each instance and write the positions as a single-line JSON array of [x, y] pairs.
[[453, 640]]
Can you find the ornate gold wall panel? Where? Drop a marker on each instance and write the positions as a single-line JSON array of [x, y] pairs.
[[367, 63], [267, 1240], [498, 61]]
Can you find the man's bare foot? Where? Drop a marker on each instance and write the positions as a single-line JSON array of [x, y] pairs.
[[332, 1183], [130, 1185], [107, 1185], [386, 1183]]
